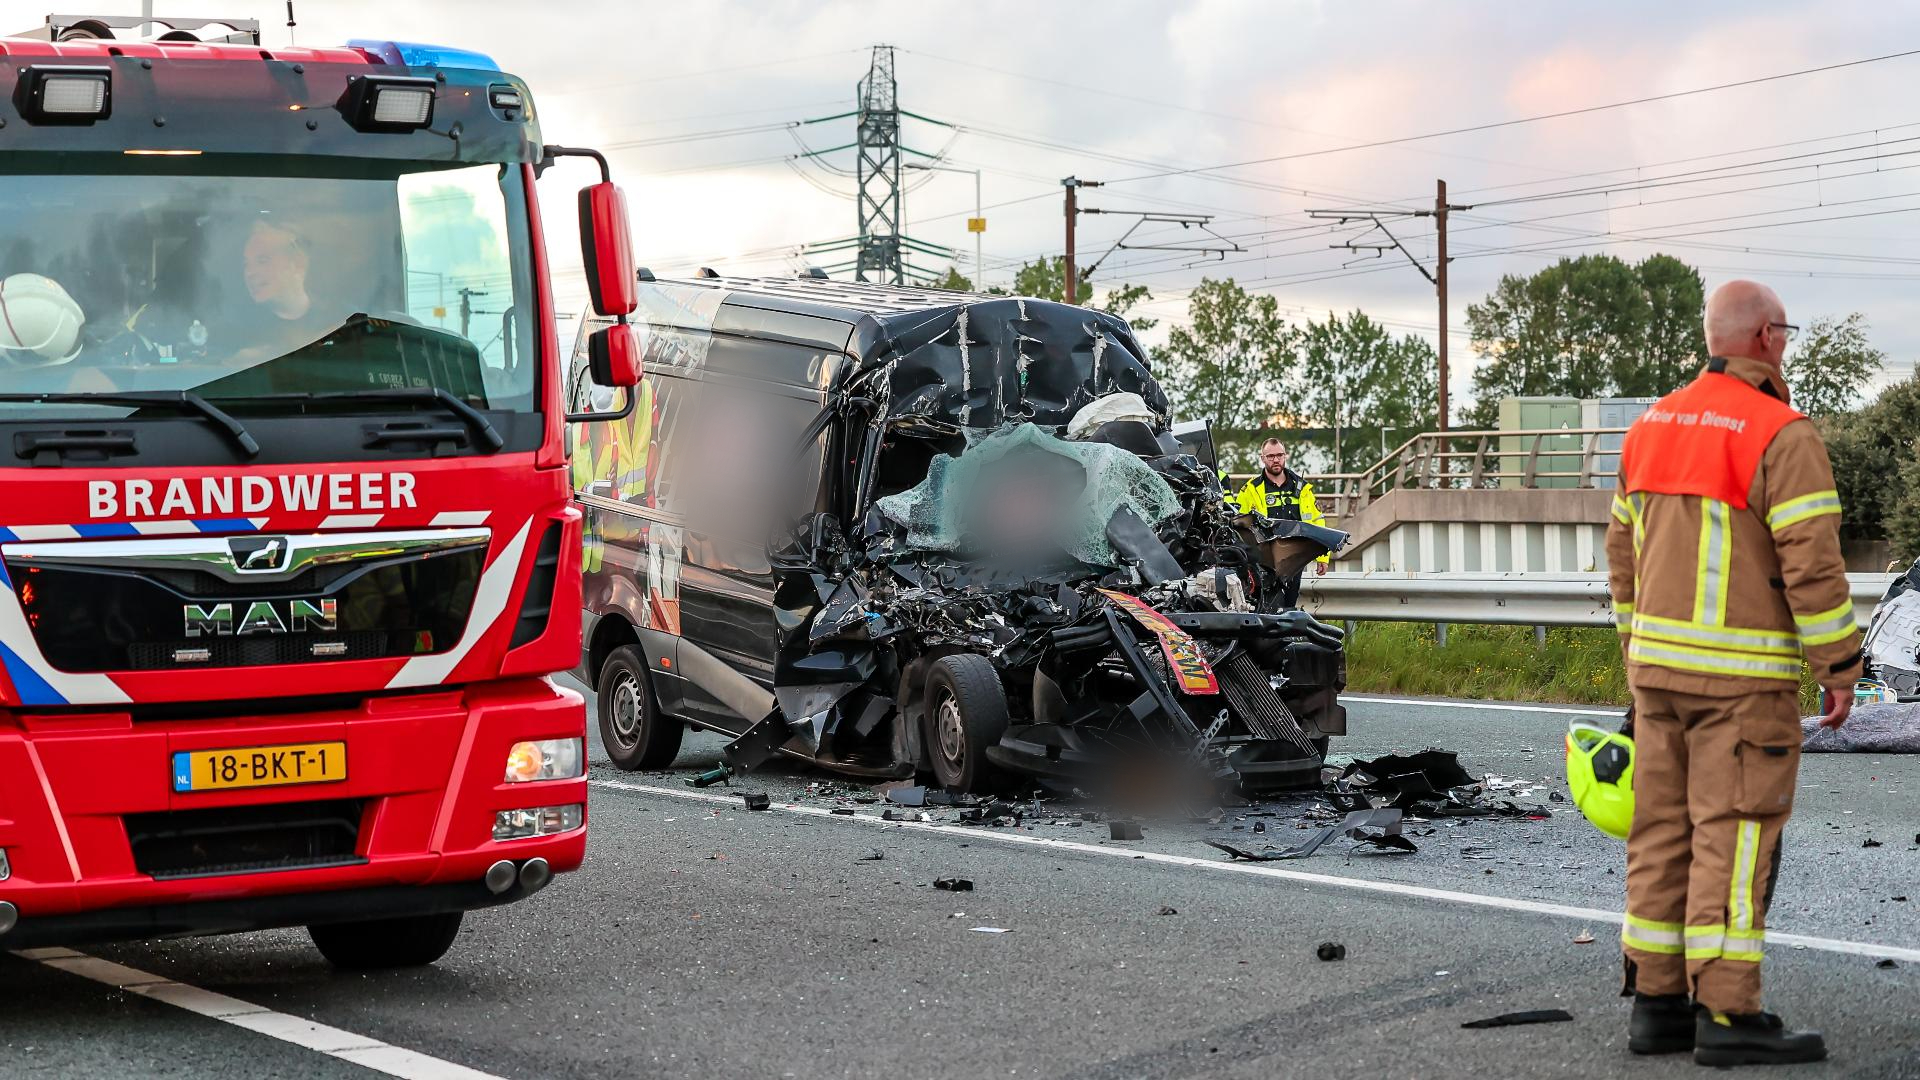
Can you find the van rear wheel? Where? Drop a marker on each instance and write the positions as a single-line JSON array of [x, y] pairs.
[[412, 941], [966, 713], [636, 735]]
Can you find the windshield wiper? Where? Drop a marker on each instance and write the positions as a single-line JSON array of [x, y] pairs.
[[476, 420], [181, 400]]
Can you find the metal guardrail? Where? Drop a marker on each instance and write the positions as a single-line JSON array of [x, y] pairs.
[[1522, 599]]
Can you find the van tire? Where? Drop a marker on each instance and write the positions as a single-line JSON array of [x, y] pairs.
[[632, 728], [411, 941], [966, 712]]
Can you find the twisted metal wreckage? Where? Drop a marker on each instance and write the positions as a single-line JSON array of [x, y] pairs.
[[1054, 587]]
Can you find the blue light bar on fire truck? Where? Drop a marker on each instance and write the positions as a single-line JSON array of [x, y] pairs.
[[415, 55], [65, 94]]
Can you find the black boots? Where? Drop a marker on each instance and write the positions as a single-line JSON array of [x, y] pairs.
[[1661, 1024], [1749, 1039]]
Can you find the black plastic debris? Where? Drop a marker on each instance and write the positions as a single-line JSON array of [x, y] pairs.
[[1124, 830], [1515, 1019], [1871, 842], [907, 796], [843, 811], [873, 856], [1375, 830], [1331, 950], [710, 777], [1165, 910], [756, 800], [1885, 962], [954, 884]]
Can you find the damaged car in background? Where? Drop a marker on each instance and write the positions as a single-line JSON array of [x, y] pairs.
[[898, 532]]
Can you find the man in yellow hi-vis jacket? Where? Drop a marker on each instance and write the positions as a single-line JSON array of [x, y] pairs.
[[1725, 569], [1282, 494]]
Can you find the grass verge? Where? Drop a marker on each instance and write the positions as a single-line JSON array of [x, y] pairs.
[[1579, 665]]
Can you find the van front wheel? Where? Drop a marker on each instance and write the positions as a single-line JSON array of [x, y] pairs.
[[636, 735], [966, 713]]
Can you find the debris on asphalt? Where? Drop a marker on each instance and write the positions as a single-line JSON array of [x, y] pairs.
[[991, 930], [1165, 910], [1124, 830], [1331, 950], [843, 811], [1885, 962], [1514, 1019], [1378, 830], [1870, 842], [710, 777], [1585, 938], [1431, 782], [873, 856], [954, 884], [756, 800]]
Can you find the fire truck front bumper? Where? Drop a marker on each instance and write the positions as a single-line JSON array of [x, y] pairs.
[[115, 827]]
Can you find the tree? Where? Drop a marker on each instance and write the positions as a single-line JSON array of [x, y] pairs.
[[1587, 327], [1230, 364], [1873, 451], [955, 280], [1829, 371], [1046, 279], [1356, 377]]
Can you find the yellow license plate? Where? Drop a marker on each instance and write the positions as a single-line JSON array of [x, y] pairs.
[[259, 766]]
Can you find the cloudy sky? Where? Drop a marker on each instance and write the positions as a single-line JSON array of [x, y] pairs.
[[1811, 181]]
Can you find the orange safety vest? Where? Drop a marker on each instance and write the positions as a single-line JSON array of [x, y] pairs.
[[1705, 439]]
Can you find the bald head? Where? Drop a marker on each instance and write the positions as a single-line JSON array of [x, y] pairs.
[[1739, 322]]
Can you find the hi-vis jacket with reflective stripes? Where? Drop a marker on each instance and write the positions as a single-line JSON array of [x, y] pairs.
[[1724, 548]]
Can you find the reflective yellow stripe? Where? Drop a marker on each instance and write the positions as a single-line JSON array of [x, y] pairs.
[[1622, 616], [1745, 945], [1650, 935], [1716, 551], [1796, 510], [1638, 502], [1828, 626], [1622, 510], [1723, 638], [1740, 902], [1711, 661]]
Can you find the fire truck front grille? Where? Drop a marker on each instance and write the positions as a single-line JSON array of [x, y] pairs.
[[246, 839], [253, 651]]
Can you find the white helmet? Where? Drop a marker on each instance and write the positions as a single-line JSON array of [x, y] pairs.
[[39, 323]]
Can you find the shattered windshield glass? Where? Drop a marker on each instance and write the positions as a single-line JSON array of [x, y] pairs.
[[237, 277]]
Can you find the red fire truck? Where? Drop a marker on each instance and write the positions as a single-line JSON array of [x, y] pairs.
[[285, 529]]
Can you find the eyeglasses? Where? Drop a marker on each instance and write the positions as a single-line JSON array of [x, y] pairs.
[[1787, 330]]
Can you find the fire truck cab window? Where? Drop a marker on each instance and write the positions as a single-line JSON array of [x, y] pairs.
[[126, 273]]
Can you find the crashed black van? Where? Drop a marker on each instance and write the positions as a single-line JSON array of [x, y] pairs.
[[898, 532]]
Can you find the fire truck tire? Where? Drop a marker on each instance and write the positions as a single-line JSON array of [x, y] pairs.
[[414, 941], [636, 734], [966, 713]]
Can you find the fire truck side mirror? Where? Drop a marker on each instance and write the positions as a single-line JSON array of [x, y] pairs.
[[613, 356], [613, 361], [607, 249]]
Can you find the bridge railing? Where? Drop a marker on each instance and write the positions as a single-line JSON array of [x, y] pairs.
[[1542, 458]]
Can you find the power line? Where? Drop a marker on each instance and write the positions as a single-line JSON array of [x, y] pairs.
[[1497, 124]]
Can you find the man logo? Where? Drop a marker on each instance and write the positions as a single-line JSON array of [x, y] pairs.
[[263, 617], [258, 554]]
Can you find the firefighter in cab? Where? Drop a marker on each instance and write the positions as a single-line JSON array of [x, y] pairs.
[[1283, 495], [1725, 571]]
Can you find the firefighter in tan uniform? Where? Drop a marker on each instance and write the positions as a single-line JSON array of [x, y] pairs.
[[1725, 570]]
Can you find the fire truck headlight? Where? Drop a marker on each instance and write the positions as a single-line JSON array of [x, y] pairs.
[[546, 759], [537, 821], [66, 95]]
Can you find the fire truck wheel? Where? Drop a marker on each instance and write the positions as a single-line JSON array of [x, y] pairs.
[[966, 713], [636, 735], [413, 941]]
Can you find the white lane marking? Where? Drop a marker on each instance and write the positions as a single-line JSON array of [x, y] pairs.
[[1565, 911], [332, 1041], [1491, 706]]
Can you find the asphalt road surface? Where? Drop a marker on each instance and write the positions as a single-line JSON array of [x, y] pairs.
[[701, 940]]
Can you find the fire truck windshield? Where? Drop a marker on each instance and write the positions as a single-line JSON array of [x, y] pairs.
[[251, 279]]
